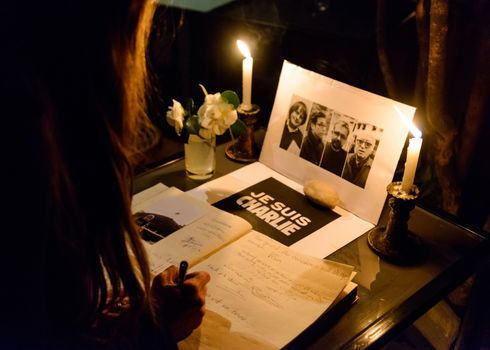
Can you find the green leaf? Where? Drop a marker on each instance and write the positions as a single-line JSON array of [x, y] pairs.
[[190, 107], [192, 124], [238, 128], [231, 97]]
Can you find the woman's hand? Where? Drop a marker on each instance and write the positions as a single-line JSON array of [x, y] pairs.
[[181, 308]]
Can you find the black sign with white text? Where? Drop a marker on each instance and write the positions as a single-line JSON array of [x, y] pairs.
[[277, 211]]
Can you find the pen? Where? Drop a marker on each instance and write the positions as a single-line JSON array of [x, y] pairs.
[[182, 272]]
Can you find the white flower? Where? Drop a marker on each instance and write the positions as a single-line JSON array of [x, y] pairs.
[[216, 115], [175, 116]]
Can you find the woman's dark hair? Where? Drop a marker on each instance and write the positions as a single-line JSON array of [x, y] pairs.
[[77, 83]]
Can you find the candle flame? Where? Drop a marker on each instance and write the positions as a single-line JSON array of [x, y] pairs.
[[413, 129], [243, 49]]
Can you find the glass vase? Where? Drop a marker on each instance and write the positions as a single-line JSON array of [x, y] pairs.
[[200, 157]]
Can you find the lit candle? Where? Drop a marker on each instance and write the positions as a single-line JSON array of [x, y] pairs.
[[413, 151], [247, 67]]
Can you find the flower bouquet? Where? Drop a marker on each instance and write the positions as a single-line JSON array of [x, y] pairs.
[[200, 127], [216, 115]]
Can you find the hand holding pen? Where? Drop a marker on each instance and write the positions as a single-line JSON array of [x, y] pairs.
[[182, 272], [179, 298]]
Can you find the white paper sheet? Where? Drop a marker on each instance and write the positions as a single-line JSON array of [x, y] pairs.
[[258, 283], [175, 204], [378, 115], [197, 240], [319, 244], [144, 198]]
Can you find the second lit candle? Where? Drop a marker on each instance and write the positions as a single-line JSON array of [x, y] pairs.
[[247, 68]]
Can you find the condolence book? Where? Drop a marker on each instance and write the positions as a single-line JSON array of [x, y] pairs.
[[256, 281]]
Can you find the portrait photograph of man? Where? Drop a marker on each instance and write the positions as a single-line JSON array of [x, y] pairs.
[[313, 143], [359, 161], [335, 152]]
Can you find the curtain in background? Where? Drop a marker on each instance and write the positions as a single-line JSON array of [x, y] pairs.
[[451, 94]]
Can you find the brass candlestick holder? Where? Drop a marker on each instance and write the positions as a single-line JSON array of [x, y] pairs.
[[395, 242], [244, 148]]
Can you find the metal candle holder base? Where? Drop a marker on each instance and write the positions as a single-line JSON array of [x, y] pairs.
[[244, 148], [394, 242]]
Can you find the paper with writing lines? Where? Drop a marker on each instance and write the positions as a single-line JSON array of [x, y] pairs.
[[197, 240], [258, 284]]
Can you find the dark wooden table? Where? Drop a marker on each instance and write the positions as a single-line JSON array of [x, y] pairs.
[[391, 297]]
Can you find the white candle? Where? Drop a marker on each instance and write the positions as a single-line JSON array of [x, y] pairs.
[[413, 152], [247, 67]]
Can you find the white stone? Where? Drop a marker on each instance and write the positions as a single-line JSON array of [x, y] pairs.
[[321, 193]]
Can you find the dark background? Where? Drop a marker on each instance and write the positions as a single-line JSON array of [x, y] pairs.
[[335, 38]]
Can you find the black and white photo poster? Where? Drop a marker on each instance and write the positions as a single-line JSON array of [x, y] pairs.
[[324, 129]]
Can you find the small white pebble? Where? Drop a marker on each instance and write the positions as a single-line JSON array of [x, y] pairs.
[[321, 193]]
